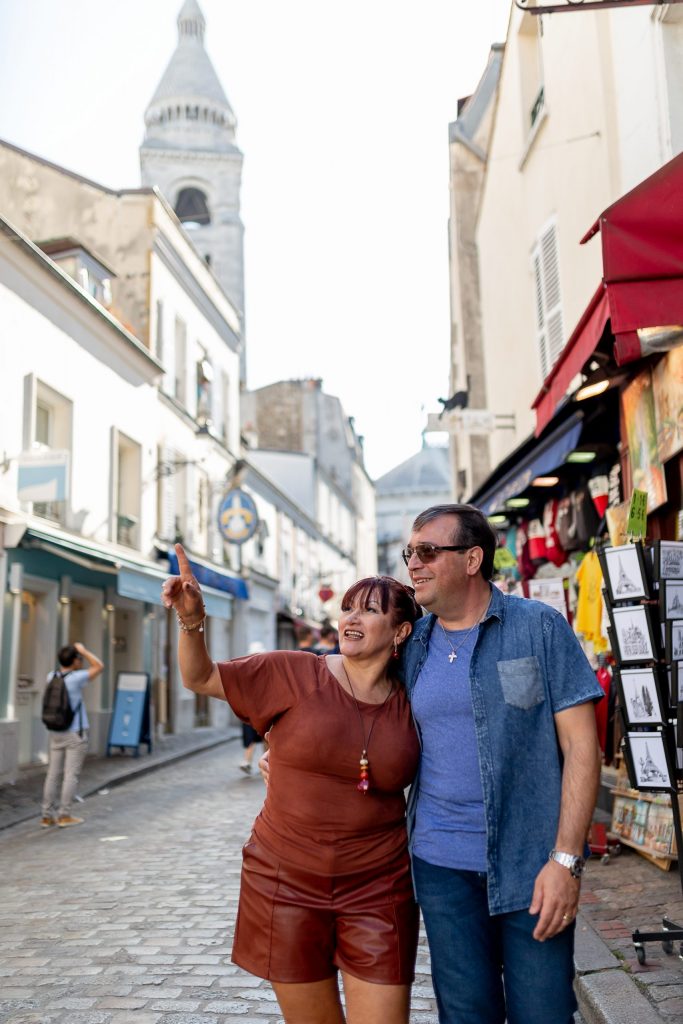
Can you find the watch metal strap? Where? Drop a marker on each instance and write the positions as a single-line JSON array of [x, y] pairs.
[[567, 860]]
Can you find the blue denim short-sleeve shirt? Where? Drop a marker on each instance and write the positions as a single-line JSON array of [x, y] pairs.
[[527, 665]]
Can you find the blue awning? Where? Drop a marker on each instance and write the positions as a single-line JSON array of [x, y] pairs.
[[549, 454], [210, 576]]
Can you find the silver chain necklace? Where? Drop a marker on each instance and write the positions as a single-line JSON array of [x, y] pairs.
[[453, 656]]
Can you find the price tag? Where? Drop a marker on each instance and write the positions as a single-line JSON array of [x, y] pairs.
[[637, 515]]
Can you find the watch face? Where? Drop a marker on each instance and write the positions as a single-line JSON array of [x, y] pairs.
[[577, 867]]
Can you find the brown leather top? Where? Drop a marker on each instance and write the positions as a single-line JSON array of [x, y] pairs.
[[314, 815]]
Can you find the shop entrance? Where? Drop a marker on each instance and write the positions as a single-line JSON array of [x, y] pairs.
[[37, 656]]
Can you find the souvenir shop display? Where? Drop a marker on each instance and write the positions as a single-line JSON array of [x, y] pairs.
[[644, 593]]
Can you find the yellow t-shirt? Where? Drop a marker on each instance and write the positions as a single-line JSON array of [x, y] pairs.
[[589, 605]]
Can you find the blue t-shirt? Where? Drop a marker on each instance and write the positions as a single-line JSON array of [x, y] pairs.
[[450, 823]]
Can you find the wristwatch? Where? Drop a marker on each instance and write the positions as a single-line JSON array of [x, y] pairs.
[[574, 864]]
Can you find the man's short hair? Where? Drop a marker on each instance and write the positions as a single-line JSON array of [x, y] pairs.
[[67, 655], [328, 633], [472, 528], [304, 635]]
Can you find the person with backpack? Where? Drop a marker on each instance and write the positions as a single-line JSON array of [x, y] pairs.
[[66, 720]]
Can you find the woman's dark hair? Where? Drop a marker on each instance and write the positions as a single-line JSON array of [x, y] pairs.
[[393, 597], [470, 527]]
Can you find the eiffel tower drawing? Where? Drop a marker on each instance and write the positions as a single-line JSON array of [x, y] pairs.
[[676, 605], [625, 584], [649, 772]]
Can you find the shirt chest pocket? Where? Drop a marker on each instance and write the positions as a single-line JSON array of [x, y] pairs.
[[521, 682]]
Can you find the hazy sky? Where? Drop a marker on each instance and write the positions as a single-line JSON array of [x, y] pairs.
[[343, 112]]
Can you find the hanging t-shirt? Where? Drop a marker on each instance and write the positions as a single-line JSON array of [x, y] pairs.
[[589, 605]]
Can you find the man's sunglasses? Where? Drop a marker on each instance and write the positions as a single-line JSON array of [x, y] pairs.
[[428, 552]]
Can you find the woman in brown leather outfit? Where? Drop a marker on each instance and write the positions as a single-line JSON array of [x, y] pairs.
[[326, 883]]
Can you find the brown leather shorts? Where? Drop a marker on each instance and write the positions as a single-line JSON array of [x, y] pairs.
[[294, 926]]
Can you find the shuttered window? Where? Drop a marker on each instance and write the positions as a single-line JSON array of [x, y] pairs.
[[548, 299]]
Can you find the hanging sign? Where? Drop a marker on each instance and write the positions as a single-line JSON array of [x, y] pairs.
[[43, 476], [637, 515], [237, 517]]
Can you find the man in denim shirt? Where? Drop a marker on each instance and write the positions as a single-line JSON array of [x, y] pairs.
[[502, 695]]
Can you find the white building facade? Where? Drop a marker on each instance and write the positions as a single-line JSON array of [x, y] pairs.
[[587, 104]]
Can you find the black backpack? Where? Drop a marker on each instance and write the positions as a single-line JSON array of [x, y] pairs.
[[57, 713]]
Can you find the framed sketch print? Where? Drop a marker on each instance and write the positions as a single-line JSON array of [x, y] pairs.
[[674, 640], [640, 696], [625, 572], [671, 599], [668, 559], [649, 760], [633, 634]]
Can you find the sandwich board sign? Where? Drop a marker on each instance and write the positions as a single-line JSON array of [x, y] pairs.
[[131, 720]]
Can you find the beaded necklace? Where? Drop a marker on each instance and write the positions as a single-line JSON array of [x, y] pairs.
[[364, 783]]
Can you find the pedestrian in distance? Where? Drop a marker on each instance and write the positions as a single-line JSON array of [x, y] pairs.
[[503, 696], [329, 640], [305, 640], [250, 738], [67, 748], [326, 883]]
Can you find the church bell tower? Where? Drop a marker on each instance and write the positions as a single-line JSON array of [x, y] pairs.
[[189, 152]]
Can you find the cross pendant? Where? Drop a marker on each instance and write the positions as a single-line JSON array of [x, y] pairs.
[[452, 656]]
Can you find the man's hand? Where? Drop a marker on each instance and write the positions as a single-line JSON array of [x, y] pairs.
[[556, 899], [95, 663], [183, 593]]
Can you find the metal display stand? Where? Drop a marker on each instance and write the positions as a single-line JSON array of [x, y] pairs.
[[671, 932], [635, 587]]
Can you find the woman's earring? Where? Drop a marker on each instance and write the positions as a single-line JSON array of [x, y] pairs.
[[395, 654]]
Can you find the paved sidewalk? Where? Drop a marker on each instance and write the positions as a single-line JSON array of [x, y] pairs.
[[618, 897], [20, 801]]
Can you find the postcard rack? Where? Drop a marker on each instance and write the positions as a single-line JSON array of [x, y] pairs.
[[644, 598]]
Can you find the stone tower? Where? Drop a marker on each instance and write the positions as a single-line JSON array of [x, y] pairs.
[[189, 152]]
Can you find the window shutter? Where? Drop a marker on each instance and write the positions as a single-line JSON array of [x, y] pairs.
[[167, 527], [217, 403], [548, 296], [190, 510], [540, 319]]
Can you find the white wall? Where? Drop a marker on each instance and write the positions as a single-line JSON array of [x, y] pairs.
[[67, 346]]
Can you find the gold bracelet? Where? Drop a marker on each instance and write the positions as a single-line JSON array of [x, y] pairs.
[[195, 627]]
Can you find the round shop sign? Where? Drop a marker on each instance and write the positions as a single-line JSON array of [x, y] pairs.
[[237, 517]]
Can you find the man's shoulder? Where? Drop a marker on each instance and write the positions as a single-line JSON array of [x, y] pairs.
[[77, 677], [528, 608], [423, 626]]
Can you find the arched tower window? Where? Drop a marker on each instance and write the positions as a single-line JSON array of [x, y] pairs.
[[192, 208]]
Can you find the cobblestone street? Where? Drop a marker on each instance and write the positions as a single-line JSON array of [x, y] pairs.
[[129, 917]]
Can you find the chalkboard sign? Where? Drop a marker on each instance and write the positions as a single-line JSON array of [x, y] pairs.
[[130, 724]]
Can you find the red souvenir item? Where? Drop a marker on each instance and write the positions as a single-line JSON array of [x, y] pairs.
[[536, 541], [598, 488], [554, 551], [524, 563]]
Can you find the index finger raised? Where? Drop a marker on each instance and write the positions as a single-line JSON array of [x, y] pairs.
[[183, 563]]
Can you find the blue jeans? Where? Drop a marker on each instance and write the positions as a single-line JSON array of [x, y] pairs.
[[489, 969]]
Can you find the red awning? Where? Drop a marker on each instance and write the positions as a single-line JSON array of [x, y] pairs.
[[642, 233], [579, 348], [642, 286]]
